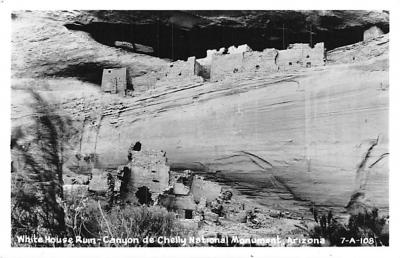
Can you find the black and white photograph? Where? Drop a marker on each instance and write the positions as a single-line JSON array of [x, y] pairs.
[[199, 128]]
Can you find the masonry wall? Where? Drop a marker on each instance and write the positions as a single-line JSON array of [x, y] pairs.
[[205, 63], [198, 69], [179, 71], [317, 54], [300, 56], [181, 68], [260, 62], [239, 49], [145, 82], [205, 71], [290, 59], [150, 169], [217, 65], [372, 32], [114, 80], [224, 65], [204, 67]]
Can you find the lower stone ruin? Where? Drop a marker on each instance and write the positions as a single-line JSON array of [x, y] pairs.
[[146, 179]]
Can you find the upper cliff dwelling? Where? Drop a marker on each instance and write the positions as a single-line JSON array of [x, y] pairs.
[[223, 63], [182, 35], [178, 35]]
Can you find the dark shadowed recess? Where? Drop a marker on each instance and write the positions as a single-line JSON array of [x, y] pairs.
[[143, 195], [88, 72], [179, 38]]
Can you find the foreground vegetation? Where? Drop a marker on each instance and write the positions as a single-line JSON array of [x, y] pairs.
[[86, 219], [364, 228], [37, 205]]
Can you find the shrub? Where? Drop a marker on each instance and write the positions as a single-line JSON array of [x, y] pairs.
[[36, 189], [81, 218], [140, 222], [364, 225], [86, 218]]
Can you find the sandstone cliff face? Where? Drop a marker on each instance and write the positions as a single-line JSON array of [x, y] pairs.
[[306, 133], [43, 47], [287, 137]]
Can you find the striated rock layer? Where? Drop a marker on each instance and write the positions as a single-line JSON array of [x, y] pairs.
[[304, 135]]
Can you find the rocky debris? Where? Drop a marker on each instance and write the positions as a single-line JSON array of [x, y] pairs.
[[191, 196], [217, 208], [226, 195]]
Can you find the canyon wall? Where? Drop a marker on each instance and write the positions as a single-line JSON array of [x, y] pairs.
[[301, 134], [307, 132]]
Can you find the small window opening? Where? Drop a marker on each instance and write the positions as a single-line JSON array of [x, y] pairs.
[[235, 70], [137, 146], [188, 214], [144, 195], [290, 63], [257, 67], [308, 65]]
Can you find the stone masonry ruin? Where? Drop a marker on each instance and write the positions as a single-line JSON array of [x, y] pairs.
[[218, 64], [244, 60], [372, 33], [146, 179], [114, 81]]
